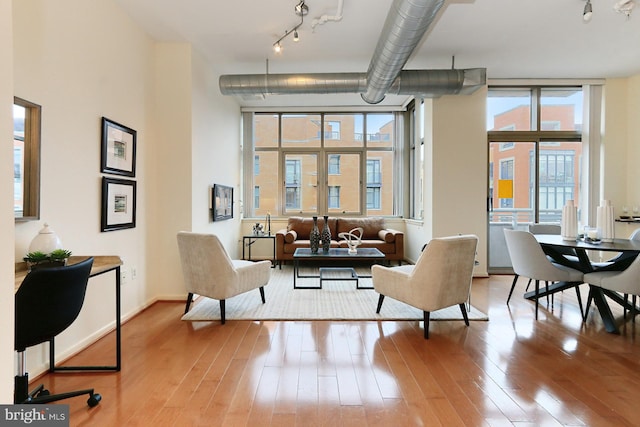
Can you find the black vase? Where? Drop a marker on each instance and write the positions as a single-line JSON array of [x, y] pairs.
[[314, 236], [326, 235]]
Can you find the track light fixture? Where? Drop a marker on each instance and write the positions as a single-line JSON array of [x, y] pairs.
[[588, 11], [301, 10]]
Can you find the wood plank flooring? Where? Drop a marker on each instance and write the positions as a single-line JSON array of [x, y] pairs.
[[509, 371]]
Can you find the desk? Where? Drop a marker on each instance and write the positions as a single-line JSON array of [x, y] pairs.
[[252, 238], [101, 264], [629, 249]]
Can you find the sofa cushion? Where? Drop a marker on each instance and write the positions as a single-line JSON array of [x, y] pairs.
[[387, 236], [291, 236], [370, 226]]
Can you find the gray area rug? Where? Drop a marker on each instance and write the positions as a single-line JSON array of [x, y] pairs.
[[337, 300]]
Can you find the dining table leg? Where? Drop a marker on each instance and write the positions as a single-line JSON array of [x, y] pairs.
[[597, 295]]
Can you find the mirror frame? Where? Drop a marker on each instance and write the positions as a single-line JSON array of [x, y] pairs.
[[31, 176]]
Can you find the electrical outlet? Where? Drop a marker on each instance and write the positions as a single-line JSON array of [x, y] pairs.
[[123, 276], [134, 273]]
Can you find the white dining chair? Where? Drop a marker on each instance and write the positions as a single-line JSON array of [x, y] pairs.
[[623, 262], [626, 282], [529, 260]]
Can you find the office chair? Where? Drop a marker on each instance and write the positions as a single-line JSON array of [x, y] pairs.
[[47, 302]]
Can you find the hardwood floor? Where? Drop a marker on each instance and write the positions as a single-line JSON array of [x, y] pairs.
[[511, 370]]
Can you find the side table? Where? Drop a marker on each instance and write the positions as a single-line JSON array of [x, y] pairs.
[[249, 240]]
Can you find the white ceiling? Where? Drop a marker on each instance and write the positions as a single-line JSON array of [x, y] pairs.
[[510, 38]]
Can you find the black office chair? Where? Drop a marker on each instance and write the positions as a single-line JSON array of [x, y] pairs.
[[47, 302]]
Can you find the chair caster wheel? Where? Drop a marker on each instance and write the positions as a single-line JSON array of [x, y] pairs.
[[93, 400]]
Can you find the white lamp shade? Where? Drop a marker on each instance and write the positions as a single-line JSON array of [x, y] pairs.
[[45, 241]]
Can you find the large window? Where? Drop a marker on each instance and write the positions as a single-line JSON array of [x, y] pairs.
[[319, 163], [535, 152]]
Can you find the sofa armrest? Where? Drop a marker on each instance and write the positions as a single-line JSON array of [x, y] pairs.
[[280, 243], [390, 235]]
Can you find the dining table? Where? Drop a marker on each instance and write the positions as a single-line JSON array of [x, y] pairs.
[[624, 251]]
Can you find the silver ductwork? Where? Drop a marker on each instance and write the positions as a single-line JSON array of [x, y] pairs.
[[421, 83], [406, 24]]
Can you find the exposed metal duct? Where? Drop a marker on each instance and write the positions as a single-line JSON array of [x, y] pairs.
[[423, 83], [406, 24]]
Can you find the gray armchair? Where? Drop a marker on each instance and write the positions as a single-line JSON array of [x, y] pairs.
[[208, 270], [440, 278]]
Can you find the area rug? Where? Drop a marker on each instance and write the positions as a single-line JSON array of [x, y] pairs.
[[337, 300]]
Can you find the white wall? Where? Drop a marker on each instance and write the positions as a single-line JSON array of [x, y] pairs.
[[170, 179], [216, 153], [81, 61], [455, 173], [6, 203]]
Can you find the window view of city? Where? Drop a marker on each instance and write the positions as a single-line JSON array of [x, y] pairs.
[[328, 163], [535, 153]]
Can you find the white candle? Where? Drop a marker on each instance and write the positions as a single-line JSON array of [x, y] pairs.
[[592, 233]]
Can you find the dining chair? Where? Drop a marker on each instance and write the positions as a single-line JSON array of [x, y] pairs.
[[529, 260], [626, 282], [440, 278], [623, 261], [209, 271]]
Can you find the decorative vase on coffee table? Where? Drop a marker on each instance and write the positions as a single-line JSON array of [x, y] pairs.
[[326, 235], [314, 236]]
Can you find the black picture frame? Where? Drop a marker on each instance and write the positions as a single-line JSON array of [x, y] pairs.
[[118, 204], [118, 153], [222, 202]]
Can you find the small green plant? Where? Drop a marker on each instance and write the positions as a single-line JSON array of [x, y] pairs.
[[59, 255], [36, 257], [39, 258]]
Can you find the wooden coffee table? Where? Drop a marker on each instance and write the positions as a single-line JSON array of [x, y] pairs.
[[327, 263]]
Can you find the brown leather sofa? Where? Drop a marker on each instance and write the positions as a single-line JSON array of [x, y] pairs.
[[390, 242]]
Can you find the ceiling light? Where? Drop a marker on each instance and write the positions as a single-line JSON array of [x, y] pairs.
[[588, 11], [301, 8]]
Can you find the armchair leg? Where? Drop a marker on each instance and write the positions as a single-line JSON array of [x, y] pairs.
[[513, 285], [380, 300], [222, 318], [262, 294], [463, 309], [189, 300], [426, 315]]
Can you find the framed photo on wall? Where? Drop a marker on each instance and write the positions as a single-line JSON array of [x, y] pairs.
[[118, 204], [222, 202], [118, 154]]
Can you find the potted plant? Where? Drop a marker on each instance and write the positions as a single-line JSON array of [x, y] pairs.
[[56, 258]]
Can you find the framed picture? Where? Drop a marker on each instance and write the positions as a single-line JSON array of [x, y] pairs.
[[118, 204], [222, 202], [118, 155]]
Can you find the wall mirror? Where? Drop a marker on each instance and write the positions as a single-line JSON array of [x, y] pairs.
[[26, 160]]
